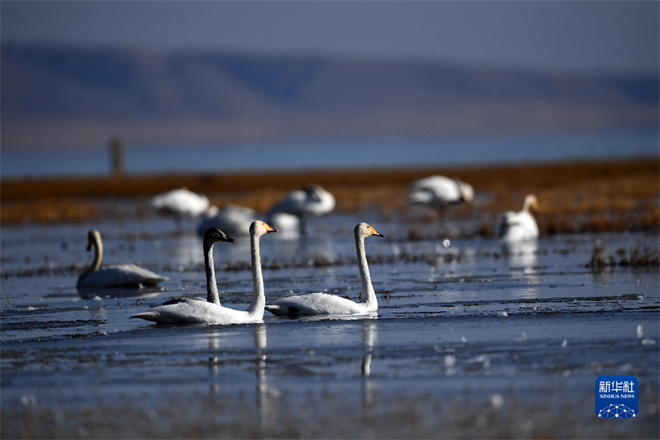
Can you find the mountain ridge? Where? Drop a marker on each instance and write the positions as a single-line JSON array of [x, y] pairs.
[[73, 96]]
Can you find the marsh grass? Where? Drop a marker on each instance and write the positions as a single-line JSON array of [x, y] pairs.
[[574, 197]]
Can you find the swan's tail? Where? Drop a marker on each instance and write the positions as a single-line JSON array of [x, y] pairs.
[[157, 318]]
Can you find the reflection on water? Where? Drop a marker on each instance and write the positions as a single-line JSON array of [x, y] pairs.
[[522, 258]]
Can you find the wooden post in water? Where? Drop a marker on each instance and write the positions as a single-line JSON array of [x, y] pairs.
[[117, 156]]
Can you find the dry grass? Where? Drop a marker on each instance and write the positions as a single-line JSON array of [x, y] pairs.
[[574, 197]]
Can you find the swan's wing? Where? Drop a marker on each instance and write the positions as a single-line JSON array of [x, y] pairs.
[[193, 311], [301, 202], [234, 220], [434, 190], [180, 201], [121, 275], [315, 304], [517, 226]]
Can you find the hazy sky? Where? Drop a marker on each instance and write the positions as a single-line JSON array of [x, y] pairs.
[[619, 35]]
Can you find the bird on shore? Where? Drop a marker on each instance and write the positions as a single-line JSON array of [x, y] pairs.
[[195, 311], [311, 201], [180, 203], [116, 275], [440, 192], [521, 225], [325, 304]]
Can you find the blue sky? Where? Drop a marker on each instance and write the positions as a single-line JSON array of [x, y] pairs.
[[620, 36]]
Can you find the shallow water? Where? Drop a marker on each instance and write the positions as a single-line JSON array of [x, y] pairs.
[[465, 317]]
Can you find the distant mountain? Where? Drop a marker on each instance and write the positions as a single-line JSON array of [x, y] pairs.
[[72, 96]]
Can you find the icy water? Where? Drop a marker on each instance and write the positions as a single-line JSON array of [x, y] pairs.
[[459, 318], [342, 154]]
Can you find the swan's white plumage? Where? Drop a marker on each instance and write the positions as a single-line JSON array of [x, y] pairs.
[[521, 225], [116, 275], [438, 192], [192, 311], [311, 201], [234, 220], [180, 203], [326, 304]]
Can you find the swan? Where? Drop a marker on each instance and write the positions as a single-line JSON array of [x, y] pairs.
[[235, 220], [310, 201], [116, 275], [439, 192], [515, 226], [325, 304], [194, 311], [180, 203]]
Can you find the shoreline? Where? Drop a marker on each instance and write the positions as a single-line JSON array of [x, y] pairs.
[[611, 193]]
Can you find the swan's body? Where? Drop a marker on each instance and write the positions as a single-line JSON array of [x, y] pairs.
[[326, 304], [311, 201], [117, 275], [180, 203], [439, 192], [235, 220], [192, 311], [516, 226]]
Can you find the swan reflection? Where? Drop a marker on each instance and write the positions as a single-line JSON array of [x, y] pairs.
[[522, 258]]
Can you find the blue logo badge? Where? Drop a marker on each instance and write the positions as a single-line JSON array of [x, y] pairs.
[[617, 397]]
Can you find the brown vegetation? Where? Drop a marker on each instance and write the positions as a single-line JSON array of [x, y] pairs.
[[574, 197]]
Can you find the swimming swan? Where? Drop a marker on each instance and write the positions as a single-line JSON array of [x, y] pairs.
[[515, 226], [116, 275], [326, 304], [193, 311]]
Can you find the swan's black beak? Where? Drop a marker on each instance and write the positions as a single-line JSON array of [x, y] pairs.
[[229, 239], [274, 230]]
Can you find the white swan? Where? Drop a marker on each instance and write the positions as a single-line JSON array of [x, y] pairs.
[[235, 220], [515, 226], [180, 203], [310, 201], [325, 304], [116, 275], [193, 311], [439, 192]]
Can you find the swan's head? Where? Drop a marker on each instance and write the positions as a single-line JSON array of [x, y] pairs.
[[314, 191], [259, 228], [531, 204], [466, 191], [363, 230], [93, 236], [214, 235]]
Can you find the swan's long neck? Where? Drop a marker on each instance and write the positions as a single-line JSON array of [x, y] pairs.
[[97, 244], [367, 295], [258, 297], [212, 295]]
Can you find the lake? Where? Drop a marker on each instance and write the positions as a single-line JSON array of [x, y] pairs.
[[472, 339], [339, 154]]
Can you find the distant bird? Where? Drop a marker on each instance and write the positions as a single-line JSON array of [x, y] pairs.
[[194, 311], [235, 220], [117, 275], [325, 304], [514, 226], [439, 192], [180, 203], [311, 201]]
